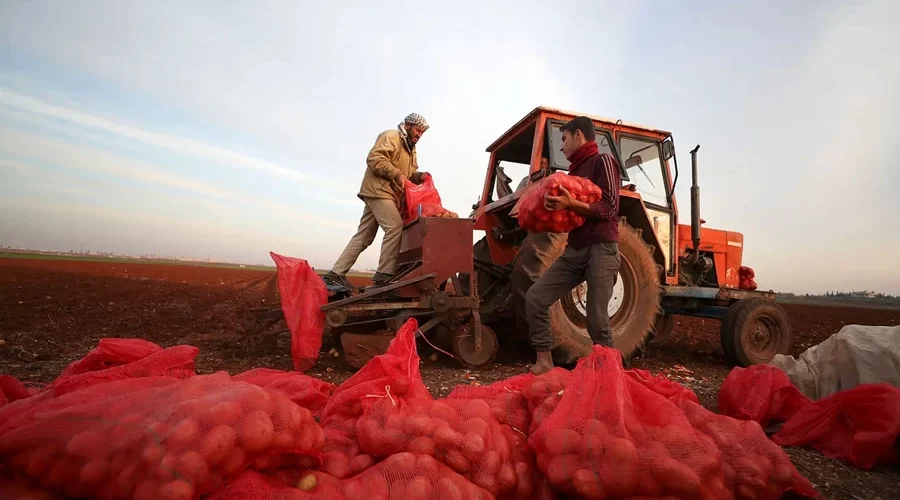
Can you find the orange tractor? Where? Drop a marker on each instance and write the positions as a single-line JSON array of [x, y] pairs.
[[462, 294], [667, 268]]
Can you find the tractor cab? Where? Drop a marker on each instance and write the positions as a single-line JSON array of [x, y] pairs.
[[532, 150]]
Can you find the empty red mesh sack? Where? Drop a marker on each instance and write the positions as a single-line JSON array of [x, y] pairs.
[[392, 376], [543, 394], [109, 353], [303, 294], [156, 437], [175, 362], [423, 195], [752, 465], [535, 218], [859, 425], [11, 389], [762, 393], [308, 392], [611, 436]]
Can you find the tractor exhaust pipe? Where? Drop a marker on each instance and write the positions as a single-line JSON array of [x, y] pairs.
[[695, 204]]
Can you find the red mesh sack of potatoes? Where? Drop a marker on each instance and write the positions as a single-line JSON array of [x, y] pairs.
[[303, 293], [535, 218], [422, 197], [762, 393], [753, 466], [543, 394], [402, 476], [611, 436], [673, 391], [462, 434], [509, 406], [156, 437], [308, 392], [506, 399], [175, 362], [393, 375]]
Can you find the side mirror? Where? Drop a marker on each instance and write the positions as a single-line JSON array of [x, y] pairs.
[[633, 162], [668, 149]]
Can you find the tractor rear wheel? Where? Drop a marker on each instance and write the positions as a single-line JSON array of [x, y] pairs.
[[633, 308], [754, 331]]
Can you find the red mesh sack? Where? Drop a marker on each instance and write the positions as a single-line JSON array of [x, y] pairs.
[[156, 437], [401, 476], [506, 399], [860, 425], [661, 385], [745, 278], [753, 466], [393, 375], [109, 353], [175, 362], [423, 195], [611, 436], [543, 394], [535, 218], [17, 488], [11, 389], [762, 393], [303, 294], [309, 392], [462, 434], [509, 406]]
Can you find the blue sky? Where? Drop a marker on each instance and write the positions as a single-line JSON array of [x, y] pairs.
[[227, 130]]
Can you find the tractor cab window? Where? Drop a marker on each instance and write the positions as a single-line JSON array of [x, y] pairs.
[[509, 178], [558, 159], [644, 168]]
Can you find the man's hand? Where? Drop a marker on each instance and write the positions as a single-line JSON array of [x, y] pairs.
[[399, 181], [564, 201]]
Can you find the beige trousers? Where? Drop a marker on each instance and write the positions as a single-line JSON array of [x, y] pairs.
[[377, 213]]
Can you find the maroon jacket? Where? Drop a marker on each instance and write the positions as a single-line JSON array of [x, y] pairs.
[[603, 224]]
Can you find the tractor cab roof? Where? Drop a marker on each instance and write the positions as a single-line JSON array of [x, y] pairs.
[[527, 123]]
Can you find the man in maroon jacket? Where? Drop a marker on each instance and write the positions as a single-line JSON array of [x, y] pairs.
[[592, 253]]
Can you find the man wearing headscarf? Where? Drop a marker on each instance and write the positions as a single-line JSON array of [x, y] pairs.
[[390, 162]]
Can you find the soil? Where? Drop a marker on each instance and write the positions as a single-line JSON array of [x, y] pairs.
[[52, 312]]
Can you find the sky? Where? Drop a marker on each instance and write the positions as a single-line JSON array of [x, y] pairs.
[[222, 130]]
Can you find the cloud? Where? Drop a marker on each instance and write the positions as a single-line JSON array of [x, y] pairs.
[[86, 158], [175, 144]]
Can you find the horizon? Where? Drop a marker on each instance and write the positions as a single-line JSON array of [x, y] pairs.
[[228, 131]]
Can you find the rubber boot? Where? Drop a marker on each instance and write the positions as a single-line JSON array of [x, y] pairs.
[[544, 363]]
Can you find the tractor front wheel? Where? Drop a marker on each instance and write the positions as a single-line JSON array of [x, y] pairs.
[[754, 331]]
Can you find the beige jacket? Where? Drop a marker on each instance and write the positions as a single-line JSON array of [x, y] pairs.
[[389, 155]]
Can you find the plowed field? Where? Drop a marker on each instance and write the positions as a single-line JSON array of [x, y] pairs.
[[54, 311]]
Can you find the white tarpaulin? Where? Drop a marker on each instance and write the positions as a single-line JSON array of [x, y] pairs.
[[853, 356]]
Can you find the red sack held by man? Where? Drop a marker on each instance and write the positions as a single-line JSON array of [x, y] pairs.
[[535, 218], [423, 195]]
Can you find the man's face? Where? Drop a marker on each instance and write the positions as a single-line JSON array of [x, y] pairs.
[[415, 133], [571, 142]]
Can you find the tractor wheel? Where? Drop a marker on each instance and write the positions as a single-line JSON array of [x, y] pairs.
[[754, 331], [463, 344], [633, 308]]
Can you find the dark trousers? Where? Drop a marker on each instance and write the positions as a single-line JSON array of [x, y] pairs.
[[597, 264]]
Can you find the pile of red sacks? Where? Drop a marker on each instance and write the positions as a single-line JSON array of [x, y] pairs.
[[533, 217], [133, 420]]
